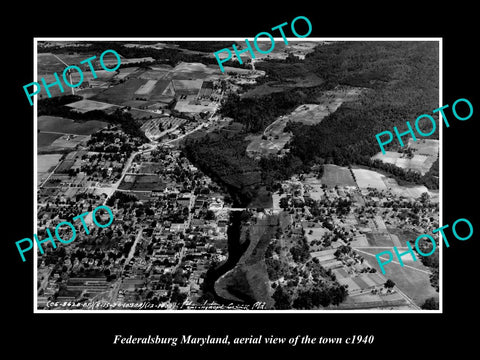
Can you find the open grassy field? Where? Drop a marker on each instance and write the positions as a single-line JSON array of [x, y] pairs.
[[248, 280], [45, 139], [101, 75], [337, 175], [68, 141], [194, 106], [368, 178], [382, 239], [265, 147], [425, 152], [146, 88], [46, 163], [428, 147], [67, 126], [151, 127], [419, 163], [155, 74], [274, 138]]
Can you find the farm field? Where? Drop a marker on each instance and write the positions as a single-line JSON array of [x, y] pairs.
[[89, 105], [307, 114], [67, 126], [194, 106], [150, 168], [101, 75], [146, 88], [425, 152], [428, 147], [337, 175], [142, 183], [419, 163], [47, 162], [414, 283], [68, 141], [194, 71], [281, 50], [151, 127]]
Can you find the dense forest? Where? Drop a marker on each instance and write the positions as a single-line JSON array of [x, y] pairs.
[[167, 55], [403, 82]]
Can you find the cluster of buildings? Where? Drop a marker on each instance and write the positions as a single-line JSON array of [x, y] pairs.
[[340, 225]]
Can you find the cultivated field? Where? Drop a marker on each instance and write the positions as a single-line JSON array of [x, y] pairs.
[[419, 163], [195, 106], [45, 139], [414, 283], [57, 124], [187, 87], [383, 239], [425, 152], [89, 105], [428, 147], [45, 164], [120, 93], [150, 168], [368, 178], [146, 88], [265, 147], [195, 71], [337, 175], [308, 114], [141, 183], [69, 141], [122, 73]]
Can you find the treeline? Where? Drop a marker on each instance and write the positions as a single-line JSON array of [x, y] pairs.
[[55, 107]]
